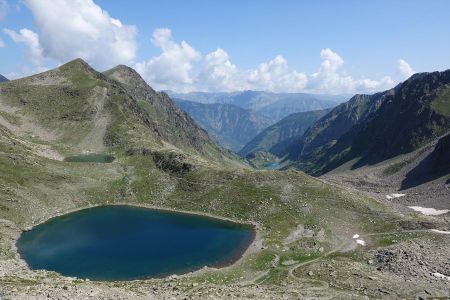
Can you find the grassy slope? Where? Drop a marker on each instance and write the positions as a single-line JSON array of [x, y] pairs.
[[35, 188]]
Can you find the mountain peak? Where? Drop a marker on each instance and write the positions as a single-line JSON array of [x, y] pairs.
[[78, 65], [78, 62], [125, 75]]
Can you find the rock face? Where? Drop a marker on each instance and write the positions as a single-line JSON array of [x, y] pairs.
[[275, 138], [377, 127], [275, 106], [231, 125], [3, 78]]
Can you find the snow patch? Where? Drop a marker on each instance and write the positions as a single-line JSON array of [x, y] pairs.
[[356, 236], [361, 242], [428, 211], [440, 231], [393, 196], [442, 276]]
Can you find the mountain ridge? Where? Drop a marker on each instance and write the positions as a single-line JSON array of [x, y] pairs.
[[112, 113], [231, 125], [273, 105], [276, 136], [379, 126]]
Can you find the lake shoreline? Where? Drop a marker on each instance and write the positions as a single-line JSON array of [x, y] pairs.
[[251, 247]]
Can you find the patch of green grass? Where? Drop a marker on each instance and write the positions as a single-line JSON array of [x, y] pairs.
[[394, 168], [441, 104]]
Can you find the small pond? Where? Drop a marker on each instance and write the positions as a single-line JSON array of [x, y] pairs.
[[91, 158], [272, 166], [126, 242]]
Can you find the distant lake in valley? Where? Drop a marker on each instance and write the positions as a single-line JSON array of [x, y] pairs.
[[127, 242], [272, 166]]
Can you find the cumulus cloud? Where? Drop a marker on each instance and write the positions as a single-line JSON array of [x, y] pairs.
[[181, 68], [218, 73], [405, 69], [276, 75], [31, 40], [172, 69], [329, 78], [68, 29]]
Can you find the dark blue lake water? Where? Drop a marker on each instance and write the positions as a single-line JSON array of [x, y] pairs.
[[125, 242]]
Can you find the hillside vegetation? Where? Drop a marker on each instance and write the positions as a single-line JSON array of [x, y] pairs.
[[164, 160]]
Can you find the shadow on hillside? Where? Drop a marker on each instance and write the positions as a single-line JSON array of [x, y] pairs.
[[421, 174], [435, 165]]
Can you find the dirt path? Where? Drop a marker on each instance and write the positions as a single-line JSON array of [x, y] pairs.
[[345, 244]]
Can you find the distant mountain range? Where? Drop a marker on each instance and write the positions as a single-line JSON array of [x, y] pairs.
[[275, 106], [371, 128], [275, 138], [231, 125], [3, 78], [234, 119]]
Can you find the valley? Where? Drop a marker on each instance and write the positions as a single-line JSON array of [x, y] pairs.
[[75, 138]]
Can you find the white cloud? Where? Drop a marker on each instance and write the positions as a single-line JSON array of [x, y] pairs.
[[172, 69], [181, 68], [31, 40], [69, 29], [3, 9], [329, 78], [218, 73], [405, 69], [276, 75]]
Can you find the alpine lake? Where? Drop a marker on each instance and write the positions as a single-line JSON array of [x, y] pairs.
[[121, 242]]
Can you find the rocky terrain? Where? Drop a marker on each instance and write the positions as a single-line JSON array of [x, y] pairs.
[[315, 239], [3, 78], [415, 176]]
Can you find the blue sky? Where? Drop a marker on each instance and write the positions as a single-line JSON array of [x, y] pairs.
[[318, 46]]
